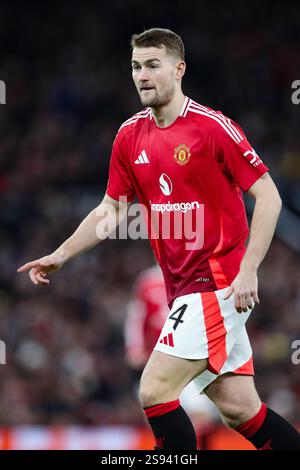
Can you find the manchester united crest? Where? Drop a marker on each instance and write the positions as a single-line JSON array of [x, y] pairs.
[[182, 154]]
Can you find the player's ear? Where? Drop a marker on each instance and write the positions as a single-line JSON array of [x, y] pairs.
[[180, 69]]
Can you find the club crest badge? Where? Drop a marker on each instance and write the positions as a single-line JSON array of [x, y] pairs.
[[182, 154]]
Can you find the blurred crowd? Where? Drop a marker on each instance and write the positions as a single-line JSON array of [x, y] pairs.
[[67, 73]]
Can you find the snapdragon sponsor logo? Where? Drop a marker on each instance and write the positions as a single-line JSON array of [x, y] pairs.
[[175, 206], [171, 221], [2, 92], [165, 184]]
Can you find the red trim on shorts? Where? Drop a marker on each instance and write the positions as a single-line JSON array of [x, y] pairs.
[[251, 427], [161, 408], [215, 331], [246, 369]]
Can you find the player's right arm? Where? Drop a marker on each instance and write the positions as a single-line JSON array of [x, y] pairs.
[[99, 223], [97, 226]]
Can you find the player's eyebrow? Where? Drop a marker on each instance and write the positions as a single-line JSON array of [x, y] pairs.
[[147, 62]]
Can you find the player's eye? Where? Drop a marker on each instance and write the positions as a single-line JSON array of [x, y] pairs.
[[136, 67]]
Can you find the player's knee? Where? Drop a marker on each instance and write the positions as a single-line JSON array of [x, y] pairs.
[[153, 390], [233, 419], [148, 394], [235, 414]]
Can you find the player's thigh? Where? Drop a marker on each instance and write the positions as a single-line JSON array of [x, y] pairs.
[[235, 396], [169, 374]]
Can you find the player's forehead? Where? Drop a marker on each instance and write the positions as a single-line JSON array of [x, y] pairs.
[[144, 54]]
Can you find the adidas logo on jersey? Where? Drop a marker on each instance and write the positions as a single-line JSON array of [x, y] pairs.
[[168, 340], [142, 158]]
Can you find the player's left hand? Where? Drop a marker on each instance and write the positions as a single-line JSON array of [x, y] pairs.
[[244, 287]]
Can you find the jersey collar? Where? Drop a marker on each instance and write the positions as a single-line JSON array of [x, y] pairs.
[[182, 111]]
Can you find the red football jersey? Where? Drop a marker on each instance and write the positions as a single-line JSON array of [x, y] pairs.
[[198, 164]]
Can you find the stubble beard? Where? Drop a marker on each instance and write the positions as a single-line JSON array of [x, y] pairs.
[[158, 101]]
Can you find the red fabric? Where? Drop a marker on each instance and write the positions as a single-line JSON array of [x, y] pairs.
[[216, 269], [161, 408], [215, 332], [193, 170], [249, 428], [246, 369]]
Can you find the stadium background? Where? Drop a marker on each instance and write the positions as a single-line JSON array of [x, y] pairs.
[[67, 71]]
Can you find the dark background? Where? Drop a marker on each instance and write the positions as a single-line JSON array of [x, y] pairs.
[[68, 78]]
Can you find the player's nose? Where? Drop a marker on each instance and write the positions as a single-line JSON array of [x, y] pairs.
[[143, 75]]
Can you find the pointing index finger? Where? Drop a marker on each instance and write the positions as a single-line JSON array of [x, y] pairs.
[[28, 266]]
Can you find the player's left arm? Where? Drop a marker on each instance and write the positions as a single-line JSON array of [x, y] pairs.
[[266, 212]]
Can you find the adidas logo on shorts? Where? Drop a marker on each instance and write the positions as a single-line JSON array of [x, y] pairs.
[[168, 340]]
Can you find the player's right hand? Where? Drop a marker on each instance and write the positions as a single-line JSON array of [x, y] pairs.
[[40, 268]]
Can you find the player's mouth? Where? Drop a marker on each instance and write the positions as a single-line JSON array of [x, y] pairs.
[[146, 88]]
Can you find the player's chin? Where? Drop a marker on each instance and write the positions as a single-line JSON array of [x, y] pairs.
[[146, 101]]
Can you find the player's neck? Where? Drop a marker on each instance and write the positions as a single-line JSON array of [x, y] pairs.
[[166, 115]]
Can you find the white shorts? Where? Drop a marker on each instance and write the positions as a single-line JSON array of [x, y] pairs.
[[203, 325]]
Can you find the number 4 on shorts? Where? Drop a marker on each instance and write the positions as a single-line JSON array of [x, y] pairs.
[[177, 319]]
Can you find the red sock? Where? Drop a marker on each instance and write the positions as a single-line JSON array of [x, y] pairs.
[[171, 426], [249, 428], [161, 408], [269, 431]]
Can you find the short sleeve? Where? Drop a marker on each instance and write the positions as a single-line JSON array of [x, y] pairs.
[[119, 183], [239, 159]]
